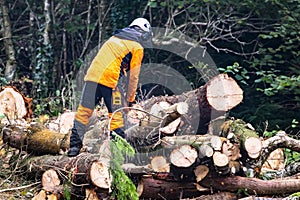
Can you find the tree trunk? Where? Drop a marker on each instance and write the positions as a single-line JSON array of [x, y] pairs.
[[165, 187], [11, 63], [244, 135], [208, 102], [39, 141], [253, 185], [84, 169], [221, 196]]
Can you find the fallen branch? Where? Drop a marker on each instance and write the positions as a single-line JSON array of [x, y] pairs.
[[20, 188], [252, 185]]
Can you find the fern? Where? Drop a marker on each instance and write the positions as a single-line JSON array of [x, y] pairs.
[[122, 186]]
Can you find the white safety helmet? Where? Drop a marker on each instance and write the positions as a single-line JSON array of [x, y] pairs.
[[142, 23]]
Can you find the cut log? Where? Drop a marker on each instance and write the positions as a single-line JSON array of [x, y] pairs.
[[280, 140], [232, 151], [130, 168], [100, 175], [253, 185], [171, 127], [253, 147], [50, 180], [218, 196], [63, 123], [40, 196], [165, 187], [36, 140], [198, 115], [174, 112], [99, 171], [243, 134], [183, 156], [13, 104], [221, 163], [196, 140], [83, 169], [160, 119], [275, 161], [223, 93], [207, 102], [135, 116], [200, 172], [160, 164], [205, 151]]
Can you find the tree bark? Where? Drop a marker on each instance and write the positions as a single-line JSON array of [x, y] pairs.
[[253, 185], [11, 63], [207, 102], [84, 169], [38, 141], [280, 140], [165, 187], [244, 135], [218, 196]]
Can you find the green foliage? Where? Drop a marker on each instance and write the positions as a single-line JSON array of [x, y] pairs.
[[3, 81], [67, 194], [124, 11], [51, 105], [123, 187], [43, 68], [295, 195], [238, 72], [291, 156], [295, 123], [279, 83], [2, 116], [264, 36], [278, 63], [269, 133]]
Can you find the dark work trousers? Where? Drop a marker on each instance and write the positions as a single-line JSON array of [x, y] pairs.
[[91, 95]]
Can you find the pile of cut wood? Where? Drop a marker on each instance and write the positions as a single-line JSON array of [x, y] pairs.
[[185, 148]]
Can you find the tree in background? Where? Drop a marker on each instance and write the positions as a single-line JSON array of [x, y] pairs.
[[256, 42], [11, 63]]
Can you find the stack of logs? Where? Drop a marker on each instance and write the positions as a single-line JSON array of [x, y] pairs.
[[174, 159]]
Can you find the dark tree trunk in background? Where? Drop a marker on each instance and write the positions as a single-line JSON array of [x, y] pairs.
[[5, 25]]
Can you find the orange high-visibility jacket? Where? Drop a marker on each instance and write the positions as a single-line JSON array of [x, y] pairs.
[[105, 69]]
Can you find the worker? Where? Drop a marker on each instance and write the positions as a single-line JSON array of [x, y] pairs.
[[121, 55]]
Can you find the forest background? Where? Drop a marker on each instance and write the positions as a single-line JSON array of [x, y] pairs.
[[45, 44]]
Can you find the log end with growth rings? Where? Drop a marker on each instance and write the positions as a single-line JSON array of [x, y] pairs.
[[100, 175], [223, 93], [184, 156], [253, 147], [160, 164]]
